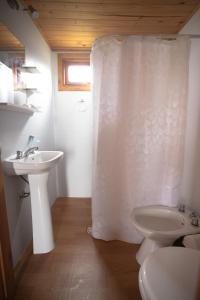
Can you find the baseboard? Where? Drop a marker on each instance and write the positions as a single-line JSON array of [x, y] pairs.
[[20, 266]]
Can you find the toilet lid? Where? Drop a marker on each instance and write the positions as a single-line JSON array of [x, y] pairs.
[[171, 273]]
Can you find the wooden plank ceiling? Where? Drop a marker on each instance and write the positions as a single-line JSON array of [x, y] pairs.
[[75, 24], [8, 42]]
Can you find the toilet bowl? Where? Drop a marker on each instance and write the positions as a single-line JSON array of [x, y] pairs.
[[171, 273], [161, 226]]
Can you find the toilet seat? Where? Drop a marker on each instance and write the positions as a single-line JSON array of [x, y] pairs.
[[170, 273]]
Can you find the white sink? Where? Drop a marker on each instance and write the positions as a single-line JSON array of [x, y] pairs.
[[37, 167], [39, 162]]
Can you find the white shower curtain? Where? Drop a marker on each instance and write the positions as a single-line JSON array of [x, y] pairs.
[[139, 94]]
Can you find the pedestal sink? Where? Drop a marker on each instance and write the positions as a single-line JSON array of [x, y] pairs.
[[37, 167]]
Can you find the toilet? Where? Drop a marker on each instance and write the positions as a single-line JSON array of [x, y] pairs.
[[161, 226], [171, 273]]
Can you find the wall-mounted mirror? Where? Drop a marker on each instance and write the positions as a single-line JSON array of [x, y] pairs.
[[12, 57]]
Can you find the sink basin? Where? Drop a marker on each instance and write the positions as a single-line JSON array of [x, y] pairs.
[[39, 162], [37, 167]]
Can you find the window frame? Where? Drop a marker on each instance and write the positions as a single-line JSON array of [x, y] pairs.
[[64, 61]]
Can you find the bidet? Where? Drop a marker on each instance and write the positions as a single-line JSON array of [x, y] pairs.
[[161, 226]]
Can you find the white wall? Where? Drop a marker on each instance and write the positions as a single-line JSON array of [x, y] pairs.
[[193, 25], [191, 186], [73, 135], [16, 127]]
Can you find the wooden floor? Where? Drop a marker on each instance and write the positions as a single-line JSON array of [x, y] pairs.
[[80, 267]]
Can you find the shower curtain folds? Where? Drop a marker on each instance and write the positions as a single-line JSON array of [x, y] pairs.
[[139, 93]]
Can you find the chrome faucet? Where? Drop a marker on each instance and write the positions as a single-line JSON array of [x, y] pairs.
[[194, 214], [26, 153], [30, 151], [195, 221], [195, 218], [19, 154]]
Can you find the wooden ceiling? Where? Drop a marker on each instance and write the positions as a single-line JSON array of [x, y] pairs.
[[75, 24], [8, 42]]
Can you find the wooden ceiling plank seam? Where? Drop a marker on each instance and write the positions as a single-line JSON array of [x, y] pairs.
[[101, 30], [107, 21], [105, 18], [142, 22], [60, 14], [48, 34], [100, 16]]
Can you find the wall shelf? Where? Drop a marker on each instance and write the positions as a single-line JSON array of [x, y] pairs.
[[18, 108], [29, 69], [28, 89]]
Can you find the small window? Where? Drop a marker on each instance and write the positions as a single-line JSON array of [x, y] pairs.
[[74, 72], [78, 74]]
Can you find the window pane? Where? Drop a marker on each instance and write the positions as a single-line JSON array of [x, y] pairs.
[[79, 74]]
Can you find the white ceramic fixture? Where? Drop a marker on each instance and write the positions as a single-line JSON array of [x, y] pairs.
[[192, 241], [171, 273], [161, 226], [37, 167], [18, 108]]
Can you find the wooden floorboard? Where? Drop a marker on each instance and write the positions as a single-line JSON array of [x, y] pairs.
[[80, 267]]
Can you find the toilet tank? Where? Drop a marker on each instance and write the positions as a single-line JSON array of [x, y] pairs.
[[6, 84]]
